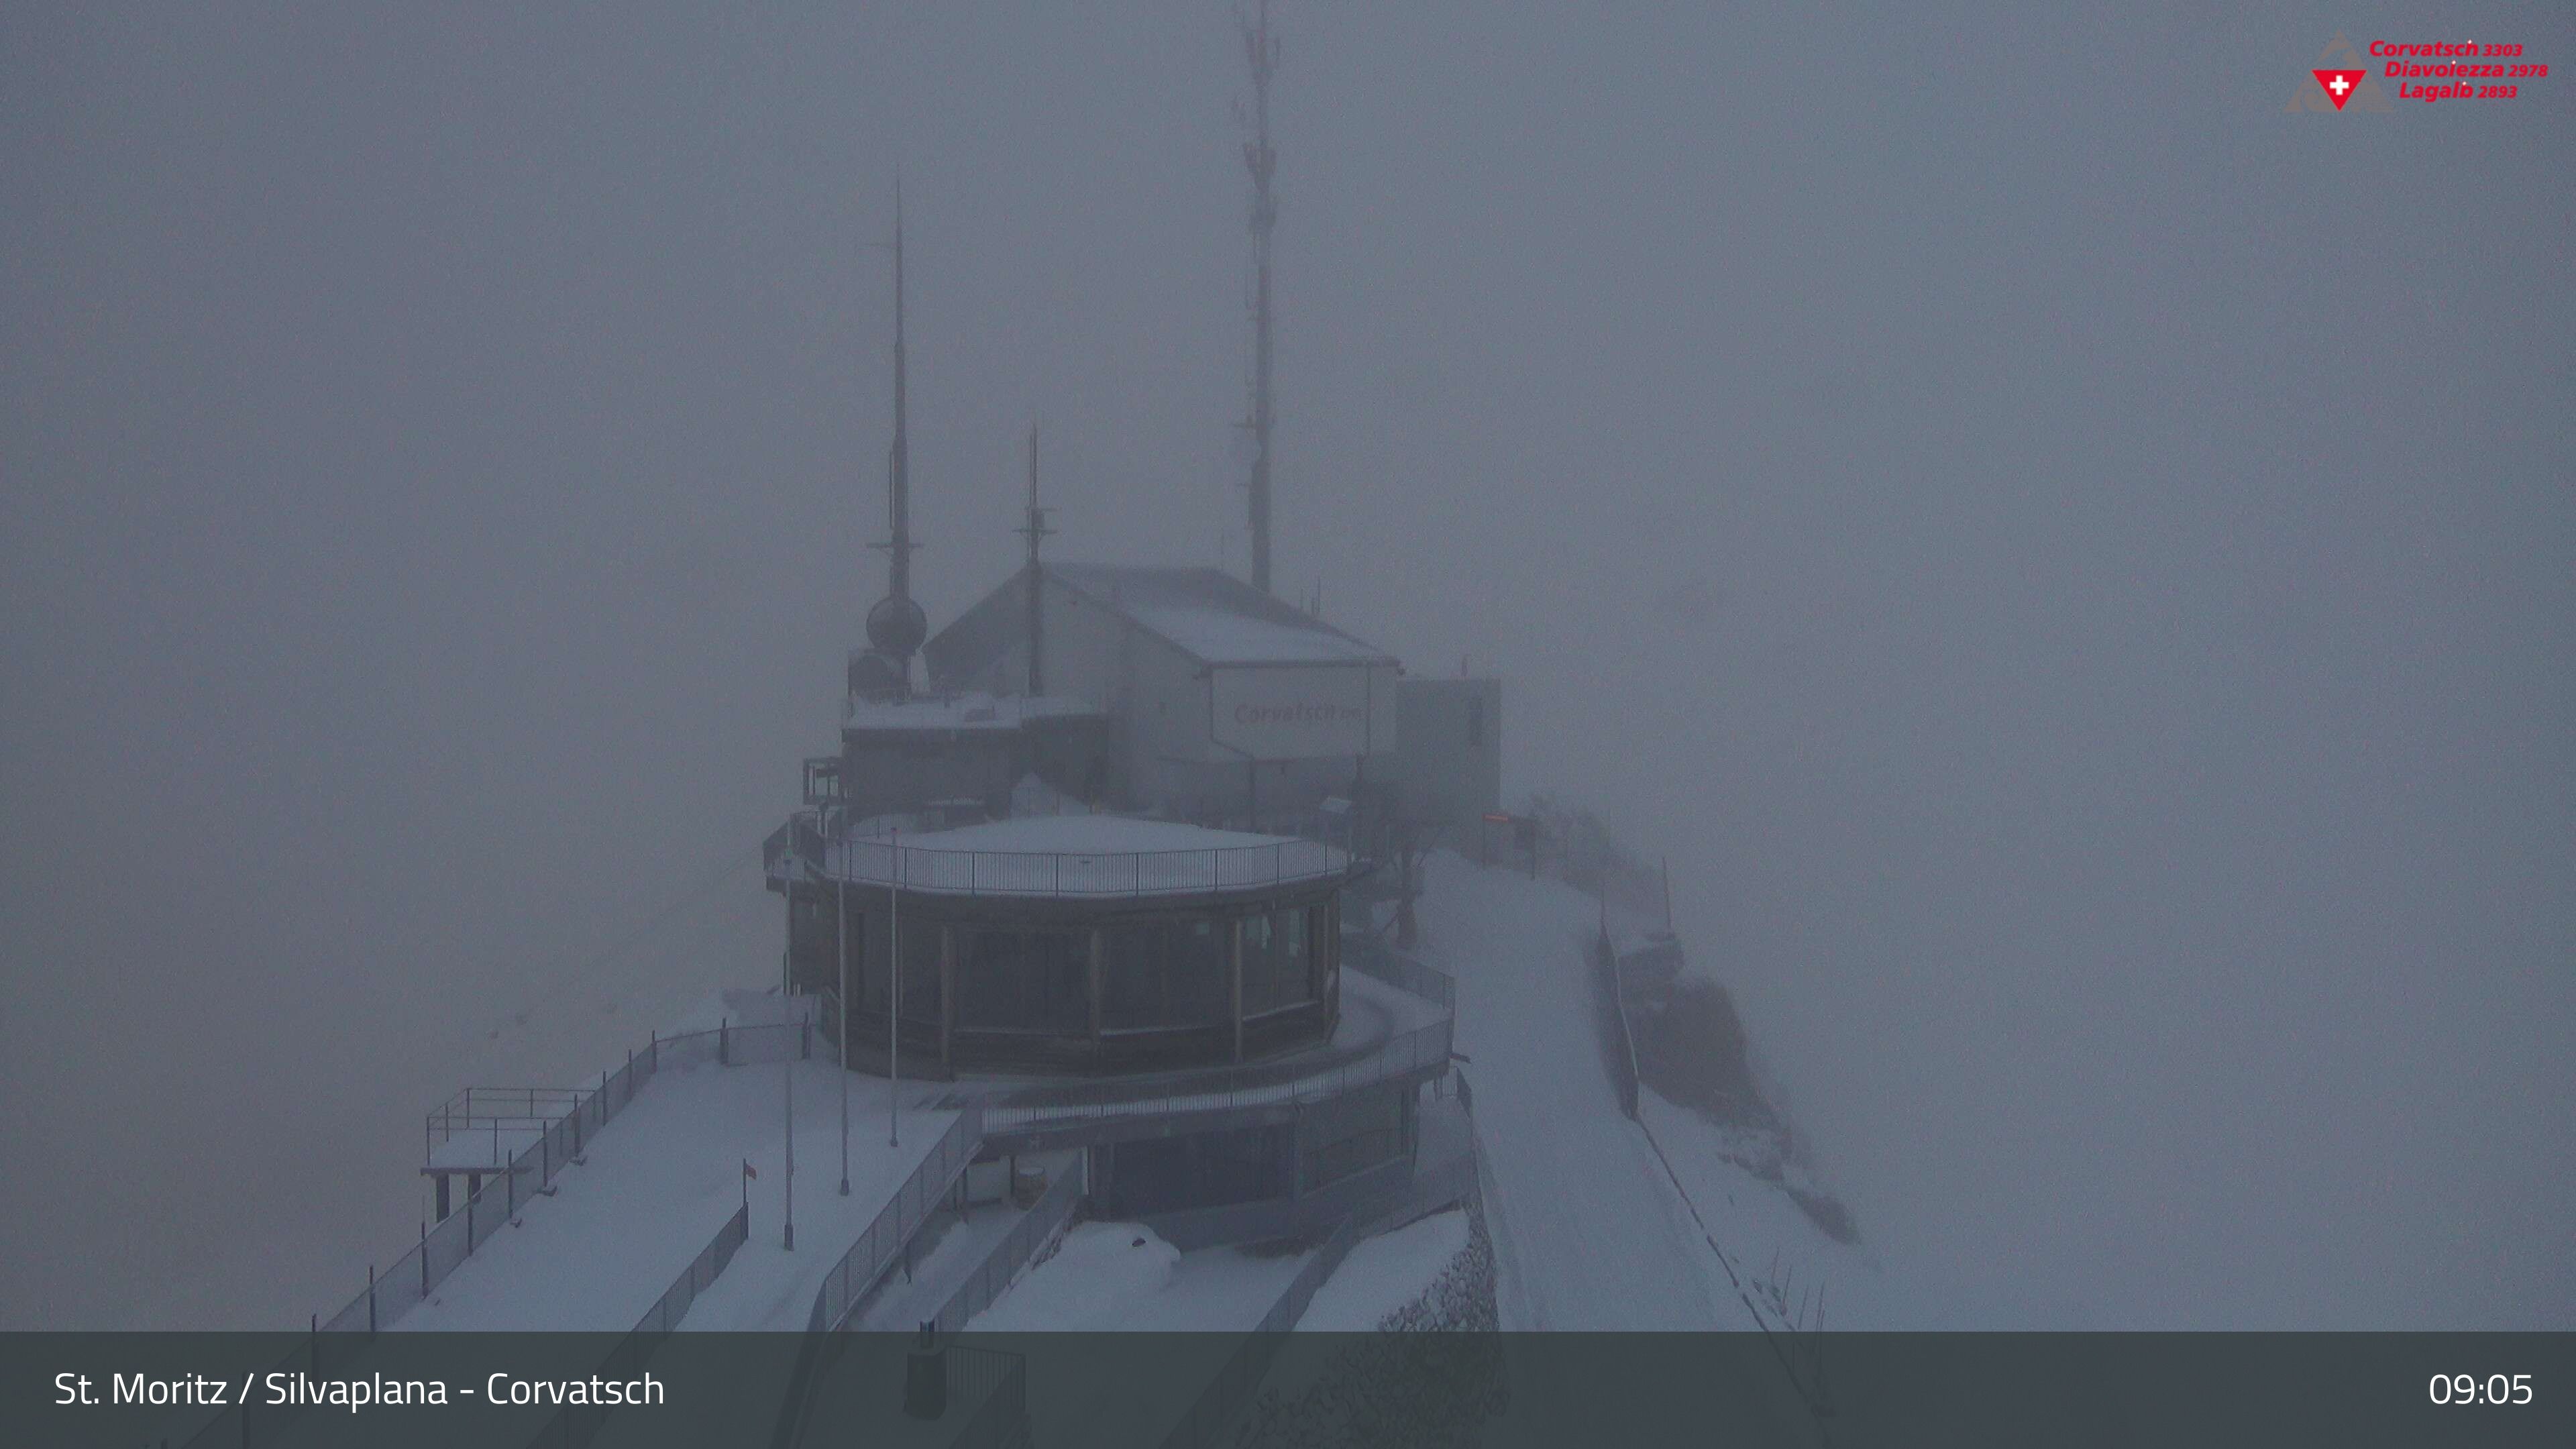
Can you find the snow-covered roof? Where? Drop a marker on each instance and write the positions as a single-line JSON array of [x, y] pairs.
[[957, 712], [1084, 855], [1215, 617], [1100, 834], [1208, 614]]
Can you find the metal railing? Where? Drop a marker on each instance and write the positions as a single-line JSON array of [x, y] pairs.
[[1365, 953], [1044, 1220], [912, 1204], [1095, 873], [575, 1425], [1620, 1044], [1225, 1395], [867, 1259], [1425, 1049], [997, 1383], [445, 1247], [487, 1113]]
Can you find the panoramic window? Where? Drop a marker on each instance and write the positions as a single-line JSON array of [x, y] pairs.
[[1275, 961], [920, 974]]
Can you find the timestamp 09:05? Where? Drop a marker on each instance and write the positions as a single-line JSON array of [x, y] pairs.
[[2471, 1389]]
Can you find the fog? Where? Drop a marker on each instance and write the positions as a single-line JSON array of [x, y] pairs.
[[2071, 563]]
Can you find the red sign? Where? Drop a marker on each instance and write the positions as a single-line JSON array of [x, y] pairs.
[[2338, 84]]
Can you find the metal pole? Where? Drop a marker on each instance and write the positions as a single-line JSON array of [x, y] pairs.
[[841, 890], [787, 1074], [894, 993]]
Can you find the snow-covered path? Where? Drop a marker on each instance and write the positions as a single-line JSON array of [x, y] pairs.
[[1587, 1230]]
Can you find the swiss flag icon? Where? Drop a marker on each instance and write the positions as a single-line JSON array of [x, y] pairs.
[[2338, 84]]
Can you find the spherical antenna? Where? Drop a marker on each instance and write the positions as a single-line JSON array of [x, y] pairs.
[[874, 675], [896, 626]]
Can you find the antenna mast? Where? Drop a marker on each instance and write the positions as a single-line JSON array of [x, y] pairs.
[[896, 626], [1263, 52], [899, 482], [1034, 530]]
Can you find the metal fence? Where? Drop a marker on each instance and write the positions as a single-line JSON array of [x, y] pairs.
[[575, 1425], [495, 1122], [1372, 958], [997, 1383], [1103, 873], [444, 1247], [1425, 1049], [340, 1337], [1619, 1041], [1225, 1395], [895, 1223], [867, 1259], [1042, 1221]]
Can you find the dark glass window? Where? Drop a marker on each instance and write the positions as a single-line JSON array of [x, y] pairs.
[[1203, 1170], [1131, 983], [989, 967], [1165, 974], [1277, 963], [867, 966], [1023, 981], [1348, 1134], [1059, 996], [1199, 972], [921, 973]]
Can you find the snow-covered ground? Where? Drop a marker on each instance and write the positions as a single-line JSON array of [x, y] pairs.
[[906, 1299], [659, 1181], [1384, 1273], [1123, 1276], [1774, 1245], [1588, 1232]]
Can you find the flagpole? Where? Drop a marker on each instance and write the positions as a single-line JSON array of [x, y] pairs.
[[894, 997], [841, 898], [787, 1073]]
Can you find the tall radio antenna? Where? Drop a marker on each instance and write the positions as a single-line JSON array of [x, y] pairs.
[[896, 626], [1035, 530], [1262, 50]]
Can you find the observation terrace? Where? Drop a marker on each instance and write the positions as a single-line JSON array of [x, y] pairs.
[[1091, 856]]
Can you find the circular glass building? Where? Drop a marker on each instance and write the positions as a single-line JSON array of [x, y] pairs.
[[1085, 942]]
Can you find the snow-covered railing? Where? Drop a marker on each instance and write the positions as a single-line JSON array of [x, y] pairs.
[[1044, 1220], [1363, 952], [895, 1223], [490, 1124], [997, 1383], [1099, 873], [338, 1338], [575, 1425], [1225, 1395], [868, 1258], [1425, 1049], [1619, 1039]]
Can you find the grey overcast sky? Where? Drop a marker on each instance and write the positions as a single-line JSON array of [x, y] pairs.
[[2076, 565]]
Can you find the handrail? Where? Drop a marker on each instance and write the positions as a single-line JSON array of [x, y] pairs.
[[931, 870], [1225, 1394], [575, 1425], [869, 1255], [997, 1382], [1043, 1219], [1365, 953], [1425, 1048], [885, 1235]]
